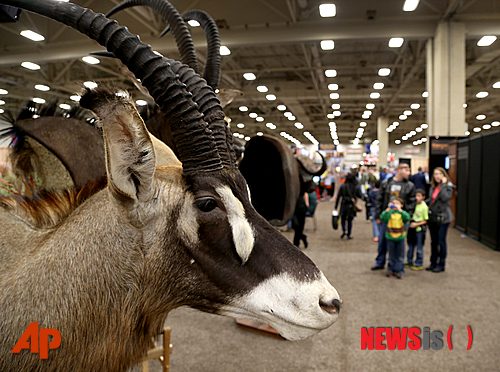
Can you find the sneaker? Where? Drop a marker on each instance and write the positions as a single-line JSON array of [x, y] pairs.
[[408, 264], [430, 268], [438, 269], [416, 268], [377, 268], [389, 275], [400, 276], [375, 239]]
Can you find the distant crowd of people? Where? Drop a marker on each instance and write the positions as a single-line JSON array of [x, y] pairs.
[[402, 208]]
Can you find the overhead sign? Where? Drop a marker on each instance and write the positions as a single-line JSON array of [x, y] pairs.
[[327, 147], [412, 150]]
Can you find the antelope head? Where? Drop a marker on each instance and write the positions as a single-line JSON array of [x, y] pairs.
[[220, 255]]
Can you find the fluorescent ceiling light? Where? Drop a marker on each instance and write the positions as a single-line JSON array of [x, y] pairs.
[[415, 106], [327, 10], [374, 95], [32, 35], [362, 124], [287, 113], [334, 95], [367, 112], [481, 117], [240, 125], [496, 85], [2, 102], [2, 111], [418, 129], [281, 107], [335, 86], [467, 133], [90, 84], [425, 94], [30, 65], [38, 100], [259, 118], [486, 40], [410, 5], [299, 125], [477, 129], [243, 108], [42, 87], [260, 133], [336, 106], [384, 72], [141, 102], [193, 23], [253, 115], [337, 113], [482, 94], [291, 118], [327, 44], [465, 105], [247, 138], [224, 50], [396, 42], [486, 126], [330, 73], [3, 91], [65, 106], [403, 117], [397, 142], [495, 123], [91, 60], [271, 97], [370, 106], [249, 76], [262, 88], [75, 98], [378, 86], [407, 112], [330, 116]]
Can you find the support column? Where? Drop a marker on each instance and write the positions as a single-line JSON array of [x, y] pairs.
[[446, 80], [383, 140]]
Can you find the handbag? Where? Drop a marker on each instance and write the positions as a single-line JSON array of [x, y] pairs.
[[355, 204], [335, 219], [436, 217]]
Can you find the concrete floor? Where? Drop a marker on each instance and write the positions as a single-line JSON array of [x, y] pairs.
[[467, 293]]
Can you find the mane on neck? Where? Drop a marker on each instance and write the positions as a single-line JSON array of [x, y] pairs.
[[50, 208]]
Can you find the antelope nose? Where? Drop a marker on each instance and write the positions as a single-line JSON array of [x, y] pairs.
[[331, 307]]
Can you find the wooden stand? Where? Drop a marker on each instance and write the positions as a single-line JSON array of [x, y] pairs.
[[162, 354], [258, 327]]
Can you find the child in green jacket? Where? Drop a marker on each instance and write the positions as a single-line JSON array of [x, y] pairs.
[[396, 218]]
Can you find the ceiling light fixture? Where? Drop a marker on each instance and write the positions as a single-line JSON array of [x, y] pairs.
[[327, 10], [281, 107], [327, 44], [32, 35], [330, 73], [415, 106], [271, 97], [374, 95], [30, 66], [486, 40], [193, 23], [224, 50], [43, 88], [378, 86], [262, 88], [396, 42], [425, 94], [243, 108], [410, 5], [334, 96], [249, 76], [333, 86], [90, 84], [384, 72], [91, 60], [482, 94]]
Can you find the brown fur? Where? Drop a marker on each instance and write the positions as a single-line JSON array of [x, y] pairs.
[[49, 209]]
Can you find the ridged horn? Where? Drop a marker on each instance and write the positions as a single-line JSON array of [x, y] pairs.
[[170, 14], [211, 73], [194, 140]]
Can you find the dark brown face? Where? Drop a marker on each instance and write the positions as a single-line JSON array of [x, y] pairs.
[[245, 267]]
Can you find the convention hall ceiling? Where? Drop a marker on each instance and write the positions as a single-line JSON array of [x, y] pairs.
[[279, 42]]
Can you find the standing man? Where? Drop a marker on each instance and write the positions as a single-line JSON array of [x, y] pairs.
[[418, 179], [398, 186]]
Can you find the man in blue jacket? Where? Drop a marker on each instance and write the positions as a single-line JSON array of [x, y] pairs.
[[418, 180], [398, 186]]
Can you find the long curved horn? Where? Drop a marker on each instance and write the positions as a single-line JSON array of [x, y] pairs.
[[194, 140], [307, 164], [208, 103], [211, 73], [179, 29]]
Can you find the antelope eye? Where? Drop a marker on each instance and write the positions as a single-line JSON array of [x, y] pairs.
[[206, 205]]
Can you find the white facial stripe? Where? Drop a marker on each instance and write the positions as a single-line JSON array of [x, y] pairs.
[[242, 231], [292, 307]]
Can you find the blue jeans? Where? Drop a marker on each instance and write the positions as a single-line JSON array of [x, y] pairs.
[[420, 251], [376, 229], [382, 245], [438, 243], [396, 262]]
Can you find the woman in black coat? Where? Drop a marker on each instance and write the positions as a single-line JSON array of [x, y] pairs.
[[440, 216], [348, 191]]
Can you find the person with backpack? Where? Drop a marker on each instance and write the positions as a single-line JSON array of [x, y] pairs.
[[350, 193]]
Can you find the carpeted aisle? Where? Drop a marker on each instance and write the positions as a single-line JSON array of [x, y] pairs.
[[467, 293]]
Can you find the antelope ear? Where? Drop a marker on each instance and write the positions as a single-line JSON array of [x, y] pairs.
[[130, 158]]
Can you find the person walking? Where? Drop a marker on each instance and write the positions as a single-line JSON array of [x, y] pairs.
[[398, 186], [440, 216], [299, 219], [348, 191], [418, 179]]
